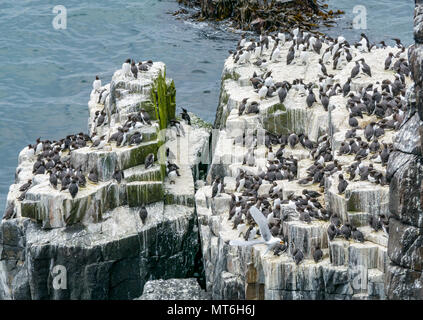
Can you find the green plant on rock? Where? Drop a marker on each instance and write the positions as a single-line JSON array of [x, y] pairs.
[[163, 96]]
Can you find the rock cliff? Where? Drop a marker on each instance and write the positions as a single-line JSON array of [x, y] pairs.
[[404, 277], [349, 269], [98, 236]]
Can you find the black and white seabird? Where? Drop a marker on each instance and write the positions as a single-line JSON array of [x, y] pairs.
[[10, 211], [388, 61], [149, 160], [26, 186], [298, 256], [346, 87], [357, 234], [53, 180], [143, 214], [73, 188], [310, 98], [318, 254], [365, 67], [356, 70], [93, 177], [134, 69], [353, 122], [172, 171], [185, 116], [217, 187], [99, 143], [126, 67], [118, 175], [346, 230], [97, 84], [282, 93], [342, 184]]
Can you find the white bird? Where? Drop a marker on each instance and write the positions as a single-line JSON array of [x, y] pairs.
[[303, 57], [292, 205], [277, 201], [270, 156], [298, 52], [268, 239], [268, 82], [363, 46], [126, 68], [263, 92], [242, 229], [242, 42], [326, 56], [275, 54], [172, 176], [244, 57], [257, 51], [97, 84], [39, 148]]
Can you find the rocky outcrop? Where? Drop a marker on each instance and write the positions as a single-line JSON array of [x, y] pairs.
[[404, 278], [97, 240], [173, 289], [349, 269], [255, 15]]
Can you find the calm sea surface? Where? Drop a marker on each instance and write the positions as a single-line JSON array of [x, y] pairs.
[[46, 74]]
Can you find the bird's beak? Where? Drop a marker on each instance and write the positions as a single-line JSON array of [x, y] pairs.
[[281, 242]]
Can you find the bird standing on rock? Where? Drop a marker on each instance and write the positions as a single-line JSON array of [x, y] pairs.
[[217, 187], [282, 93], [262, 93], [9, 212], [346, 230], [318, 254], [342, 185], [298, 256], [310, 98], [73, 188], [185, 116], [134, 69], [26, 186], [357, 234], [126, 67], [97, 84], [365, 67], [356, 70], [93, 177], [149, 160], [143, 214], [172, 172], [118, 175]]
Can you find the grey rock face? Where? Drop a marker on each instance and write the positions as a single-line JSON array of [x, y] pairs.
[[173, 289], [404, 278]]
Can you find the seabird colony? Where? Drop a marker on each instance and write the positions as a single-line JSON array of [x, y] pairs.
[[53, 158], [374, 110]]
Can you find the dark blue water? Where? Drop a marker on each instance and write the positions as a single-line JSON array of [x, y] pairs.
[[46, 74]]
